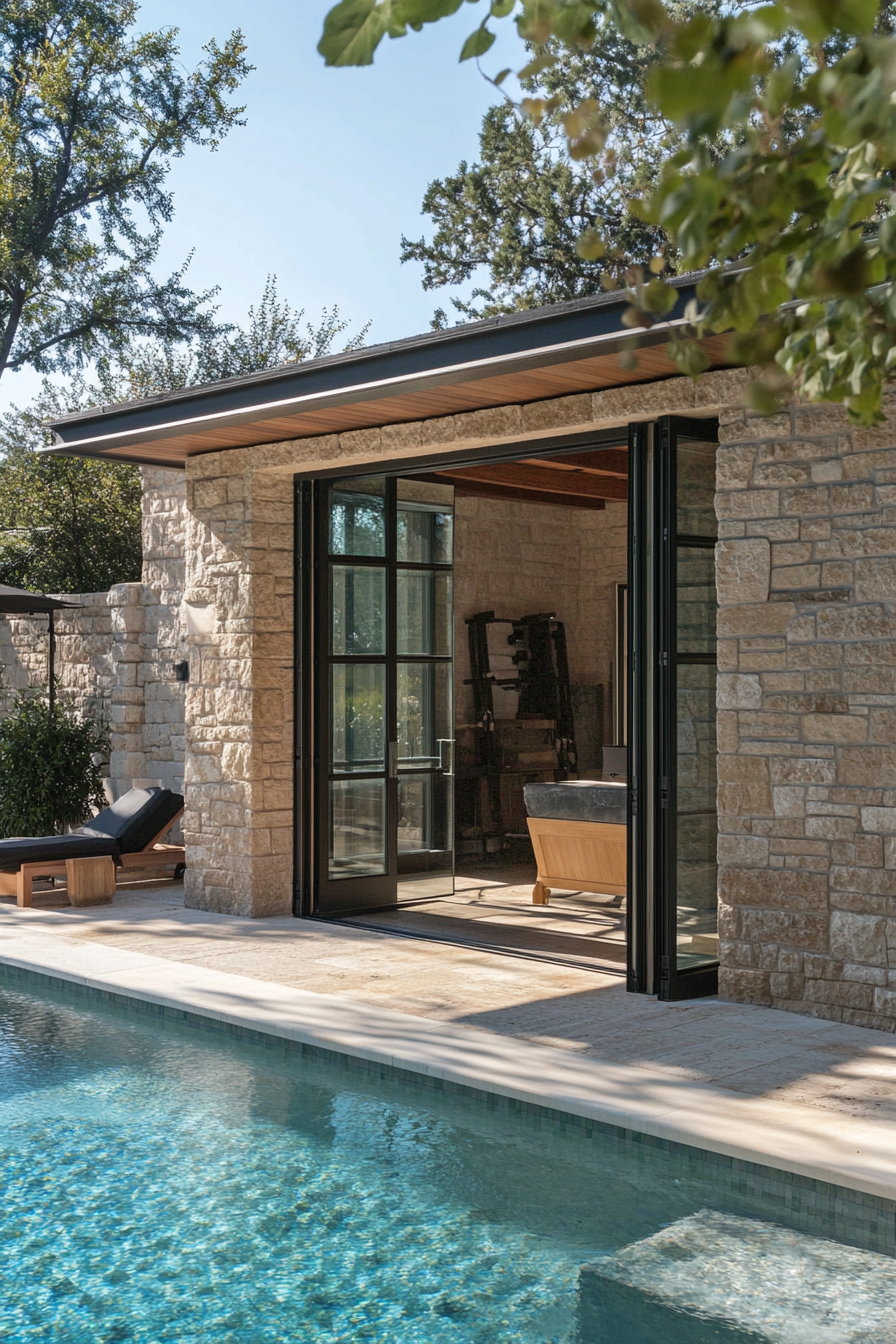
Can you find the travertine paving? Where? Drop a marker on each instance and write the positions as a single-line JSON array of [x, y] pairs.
[[755, 1052]]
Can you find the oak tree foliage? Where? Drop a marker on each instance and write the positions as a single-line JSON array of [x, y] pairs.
[[778, 181], [519, 211], [92, 114], [72, 524]]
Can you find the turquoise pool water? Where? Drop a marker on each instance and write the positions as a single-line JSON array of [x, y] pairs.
[[160, 1183]]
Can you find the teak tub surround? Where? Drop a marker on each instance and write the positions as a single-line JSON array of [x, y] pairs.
[[578, 856]]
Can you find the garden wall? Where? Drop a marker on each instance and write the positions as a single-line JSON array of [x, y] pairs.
[[117, 654]]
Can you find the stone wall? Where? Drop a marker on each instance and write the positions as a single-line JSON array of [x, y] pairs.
[[239, 717], [807, 714], [239, 609], [83, 653], [116, 652]]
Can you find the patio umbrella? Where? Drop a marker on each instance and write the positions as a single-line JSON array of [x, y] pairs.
[[17, 602]]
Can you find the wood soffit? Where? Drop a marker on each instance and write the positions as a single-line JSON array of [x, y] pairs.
[[453, 394]]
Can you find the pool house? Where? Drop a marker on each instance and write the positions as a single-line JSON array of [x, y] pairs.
[[418, 582]]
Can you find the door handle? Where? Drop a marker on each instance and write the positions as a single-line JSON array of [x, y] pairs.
[[392, 760], [446, 751]]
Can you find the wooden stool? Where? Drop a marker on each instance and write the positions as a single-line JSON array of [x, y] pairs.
[[90, 881]]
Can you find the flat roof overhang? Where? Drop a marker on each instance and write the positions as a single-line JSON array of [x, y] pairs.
[[523, 357]]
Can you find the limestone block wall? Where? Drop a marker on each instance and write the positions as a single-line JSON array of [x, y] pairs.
[[807, 714], [83, 653], [238, 606], [116, 652], [239, 720]]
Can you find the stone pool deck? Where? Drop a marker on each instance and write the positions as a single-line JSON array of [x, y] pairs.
[[808, 1096]]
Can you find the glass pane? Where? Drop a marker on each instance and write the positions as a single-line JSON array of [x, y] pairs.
[[698, 928], [425, 522], [414, 814], [357, 828], [696, 600], [357, 717], [423, 599], [357, 511], [697, 488], [424, 715], [357, 609]]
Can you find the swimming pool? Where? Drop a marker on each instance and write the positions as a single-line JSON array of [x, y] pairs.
[[165, 1182]]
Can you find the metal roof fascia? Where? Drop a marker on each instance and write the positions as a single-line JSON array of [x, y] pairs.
[[418, 380]]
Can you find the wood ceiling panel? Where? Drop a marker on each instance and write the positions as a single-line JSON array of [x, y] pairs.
[[489, 490], [523, 476], [602, 462]]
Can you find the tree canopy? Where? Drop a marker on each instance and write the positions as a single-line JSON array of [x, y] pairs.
[[520, 210], [91, 117], [778, 180], [72, 524]]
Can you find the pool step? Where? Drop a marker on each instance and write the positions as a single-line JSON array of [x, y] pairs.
[[715, 1278]]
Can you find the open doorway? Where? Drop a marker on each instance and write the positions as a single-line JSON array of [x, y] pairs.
[[470, 637], [507, 725]]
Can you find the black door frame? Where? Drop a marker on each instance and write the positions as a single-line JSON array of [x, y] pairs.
[[653, 721], [651, 891], [308, 660]]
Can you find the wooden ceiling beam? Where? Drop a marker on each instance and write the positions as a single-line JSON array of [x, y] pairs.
[[521, 476], [601, 462], [488, 490]]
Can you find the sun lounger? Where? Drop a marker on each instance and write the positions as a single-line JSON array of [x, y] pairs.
[[126, 835]]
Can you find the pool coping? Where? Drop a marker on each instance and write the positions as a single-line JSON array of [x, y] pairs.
[[820, 1144]]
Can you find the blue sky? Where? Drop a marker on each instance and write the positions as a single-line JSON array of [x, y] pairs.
[[330, 168]]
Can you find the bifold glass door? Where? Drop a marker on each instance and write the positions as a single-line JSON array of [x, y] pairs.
[[673, 935], [383, 693]]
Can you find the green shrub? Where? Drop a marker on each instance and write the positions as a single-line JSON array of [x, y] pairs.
[[49, 772]]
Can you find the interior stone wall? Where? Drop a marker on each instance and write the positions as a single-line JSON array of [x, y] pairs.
[[513, 557], [806, 571]]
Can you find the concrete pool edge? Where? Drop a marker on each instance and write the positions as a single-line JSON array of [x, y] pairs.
[[808, 1141]]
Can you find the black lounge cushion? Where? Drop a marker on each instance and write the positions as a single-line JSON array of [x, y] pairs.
[[126, 827], [52, 848], [577, 800], [135, 819]]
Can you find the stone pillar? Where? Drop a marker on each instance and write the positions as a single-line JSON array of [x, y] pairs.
[[164, 640], [238, 606], [127, 760]]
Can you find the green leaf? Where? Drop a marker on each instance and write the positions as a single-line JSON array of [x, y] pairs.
[[543, 62], [690, 357], [590, 246], [639, 20], [501, 8], [477, 44], [418, 12], [353, 30], [818, 19], [660, 297], [762, 398]]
